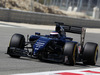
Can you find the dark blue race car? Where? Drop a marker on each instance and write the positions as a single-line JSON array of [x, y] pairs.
[[55, 47]]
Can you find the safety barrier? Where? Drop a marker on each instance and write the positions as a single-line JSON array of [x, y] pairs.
[[44, 18]]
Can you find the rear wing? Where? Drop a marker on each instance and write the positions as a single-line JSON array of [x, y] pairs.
[[72, 29]]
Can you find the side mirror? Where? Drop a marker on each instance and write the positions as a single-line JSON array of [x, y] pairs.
[[37, 33]]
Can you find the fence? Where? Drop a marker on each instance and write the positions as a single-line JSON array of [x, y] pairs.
[[85, 6], [82, 5]]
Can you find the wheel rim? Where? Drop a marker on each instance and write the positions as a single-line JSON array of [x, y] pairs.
[[74, 54], [96, 55]]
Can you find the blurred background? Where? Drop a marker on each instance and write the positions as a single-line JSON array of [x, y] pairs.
[[82, 5], [60, 7]]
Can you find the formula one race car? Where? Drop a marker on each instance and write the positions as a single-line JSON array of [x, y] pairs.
[[55, 46]]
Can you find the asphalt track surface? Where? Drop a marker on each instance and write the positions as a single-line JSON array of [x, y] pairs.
[[10, 65]]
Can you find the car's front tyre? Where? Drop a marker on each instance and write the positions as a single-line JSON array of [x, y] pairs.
[[17, 41]]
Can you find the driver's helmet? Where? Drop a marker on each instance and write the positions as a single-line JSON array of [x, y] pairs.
[[54, 34]]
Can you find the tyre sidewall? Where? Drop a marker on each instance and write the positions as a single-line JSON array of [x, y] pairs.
[[89, 53], [70, 51]]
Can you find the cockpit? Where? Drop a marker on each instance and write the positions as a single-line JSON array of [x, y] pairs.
[[54, 34]]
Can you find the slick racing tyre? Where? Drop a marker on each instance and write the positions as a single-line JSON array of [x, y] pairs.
[[70, 53], [17, 41], [90, 54]]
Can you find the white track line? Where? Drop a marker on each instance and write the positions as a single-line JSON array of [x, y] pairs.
[[91, 71], [23, 25], [43, 27]]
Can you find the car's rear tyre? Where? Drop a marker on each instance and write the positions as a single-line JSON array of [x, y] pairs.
[[90, 54], [70, 53], [17, 41]]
